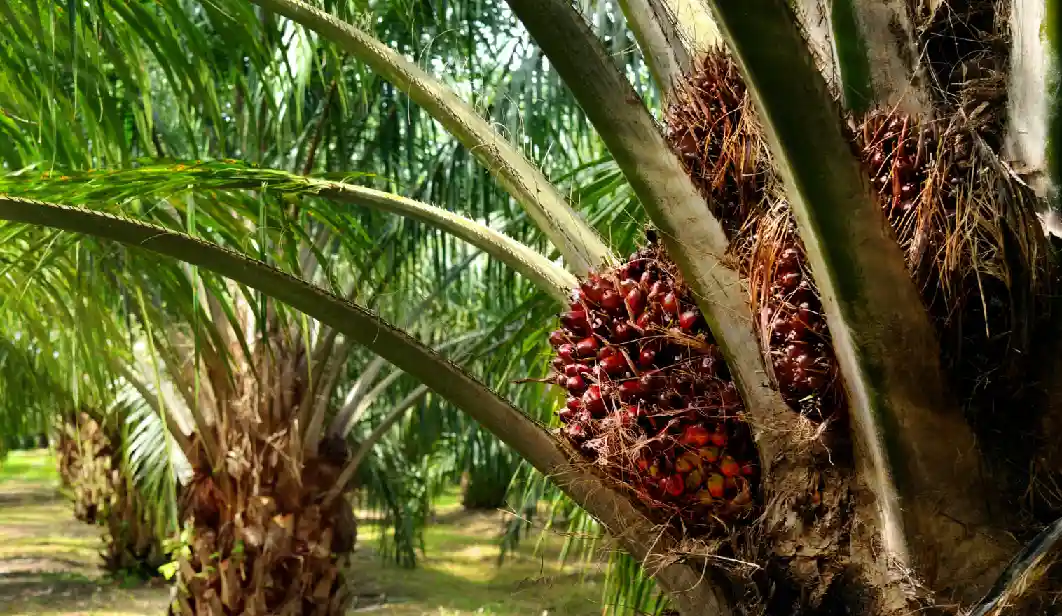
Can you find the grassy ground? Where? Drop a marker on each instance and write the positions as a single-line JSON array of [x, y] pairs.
[[49, 564]]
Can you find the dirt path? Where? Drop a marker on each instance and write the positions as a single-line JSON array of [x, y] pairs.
[[50, 565]]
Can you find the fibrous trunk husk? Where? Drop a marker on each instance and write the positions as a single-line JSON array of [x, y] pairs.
[[91, 460], [265, 540]]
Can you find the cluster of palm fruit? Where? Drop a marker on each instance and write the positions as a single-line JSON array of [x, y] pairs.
[[650, 398], [792, 323], [711, 125]]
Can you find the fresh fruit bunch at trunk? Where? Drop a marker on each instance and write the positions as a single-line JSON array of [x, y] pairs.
[[131, 543], [712, 125], [972, 244], [650, 399], [791, 321]]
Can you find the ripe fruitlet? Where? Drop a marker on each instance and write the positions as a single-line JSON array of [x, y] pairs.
[[674, 485], [688, 319], [587, 347], [575, 384], [683, 465], [574, 404], [592, 400], [695, 436], [670, 303], [718, 437], [575, 320], [748, 469], [557, 337], [635, 301], [614, 364], [729, 467], [646, 358], [629, 389], [566, 352], [611, 301]]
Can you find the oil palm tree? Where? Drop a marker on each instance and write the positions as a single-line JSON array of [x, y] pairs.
[[897, 522]]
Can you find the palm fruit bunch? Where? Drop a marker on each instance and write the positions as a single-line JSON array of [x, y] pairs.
[[970, 239], [791, 322], [712, 126], [650, 399]]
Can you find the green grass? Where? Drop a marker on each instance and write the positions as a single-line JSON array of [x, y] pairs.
[[49, 563], [32, 466]]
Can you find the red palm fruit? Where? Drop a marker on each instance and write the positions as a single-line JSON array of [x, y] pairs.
[[627, 285], [630, 389], [566, 352], [695, 436], [642, 464], [670, 303], [645, 319], [575, 384], [683, 465], [614, 364], [694, 480], [716, 485], [623, 332], [571, 370], [587, 347], [674, 485], [635, 301], [557, 337], [574, 404], [657, 290], [611, 301], [565, 414], [607, 351], [718, 437], [591, 290], [790, 281], [646, 278], [688, 319], [575, 320], [709, 454], [592, 400], [748, 469], [558, 364], [729, 467]]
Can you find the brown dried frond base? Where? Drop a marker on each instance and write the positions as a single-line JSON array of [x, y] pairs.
[[264, 540]]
